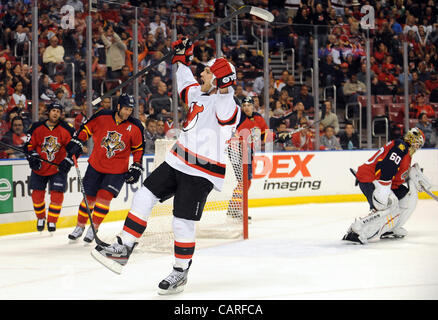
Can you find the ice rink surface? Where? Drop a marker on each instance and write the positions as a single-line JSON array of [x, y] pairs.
[[294, 253]]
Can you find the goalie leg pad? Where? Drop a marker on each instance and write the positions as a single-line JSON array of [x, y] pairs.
[[408, 204], [377, 222]]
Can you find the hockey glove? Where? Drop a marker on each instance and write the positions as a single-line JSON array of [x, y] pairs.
[[34, 160], [224, 73], [133, 173], [74, 147], [183, 51], [283, 136], [65, 165]]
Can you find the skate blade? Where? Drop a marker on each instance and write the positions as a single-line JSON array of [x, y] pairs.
[[110, 264], [164, 292]]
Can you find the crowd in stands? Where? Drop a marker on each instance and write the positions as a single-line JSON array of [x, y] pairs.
[[342, 64]]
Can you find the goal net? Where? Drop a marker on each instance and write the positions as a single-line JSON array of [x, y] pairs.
[[225, 214]]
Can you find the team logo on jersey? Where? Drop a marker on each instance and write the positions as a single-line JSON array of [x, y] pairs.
[[192, 116], [112, 143], [50, 147]]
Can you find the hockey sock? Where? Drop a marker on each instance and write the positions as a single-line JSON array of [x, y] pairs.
[[133, 228], [184, 245], [39, 205], [82, 212], [56, 199], [101, 207], [136, 221]]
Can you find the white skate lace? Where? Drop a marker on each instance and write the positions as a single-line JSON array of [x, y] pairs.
[[174, 277], [117, 248], [77, 231]]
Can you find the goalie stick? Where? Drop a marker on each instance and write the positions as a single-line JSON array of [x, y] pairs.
[[433, 196], [258, 12]]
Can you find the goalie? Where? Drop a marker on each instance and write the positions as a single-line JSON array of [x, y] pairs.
[[381, 179]]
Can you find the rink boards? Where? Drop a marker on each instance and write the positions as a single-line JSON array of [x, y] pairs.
[[281, 178]]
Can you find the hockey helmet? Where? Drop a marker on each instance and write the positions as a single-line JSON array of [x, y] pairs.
[[55, 105], [415, 138], [126, 100], [248, 99]]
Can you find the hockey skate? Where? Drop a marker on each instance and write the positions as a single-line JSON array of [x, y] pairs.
[[51, 227], [397, 233], [115, 256], [353, 236], [174, 282], [89, 236], [77, 233], [40, 224]]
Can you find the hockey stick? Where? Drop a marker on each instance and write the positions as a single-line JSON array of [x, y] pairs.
[[28, 154], [433, 196], [291, 133], [78, 172], [258, 12], [354, 174]]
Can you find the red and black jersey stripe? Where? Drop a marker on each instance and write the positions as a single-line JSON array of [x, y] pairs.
[[230, 121], [184, 92], [199, 162]]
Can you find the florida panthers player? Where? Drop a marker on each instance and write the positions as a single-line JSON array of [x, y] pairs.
[[381, 180], [48, 140], [116, 135], [192, 168]]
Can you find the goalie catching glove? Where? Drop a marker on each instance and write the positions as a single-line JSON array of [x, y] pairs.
[[34, 160], [133, 173], [183, 51]]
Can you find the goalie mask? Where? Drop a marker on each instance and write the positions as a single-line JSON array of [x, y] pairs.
[[415, 138]]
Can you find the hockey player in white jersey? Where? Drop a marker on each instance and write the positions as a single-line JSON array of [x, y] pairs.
[[192, 168]]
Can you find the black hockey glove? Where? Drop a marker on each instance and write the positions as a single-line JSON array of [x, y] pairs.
[[283, 136], [65, 165], [133, 173], [34, 160], [74, 147]]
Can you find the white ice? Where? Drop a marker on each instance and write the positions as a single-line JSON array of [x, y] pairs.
[[294, 252]]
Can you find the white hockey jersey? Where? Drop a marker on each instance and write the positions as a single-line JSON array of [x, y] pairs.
[[211, 120]]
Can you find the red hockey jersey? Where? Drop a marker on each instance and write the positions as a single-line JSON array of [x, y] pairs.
[[113, 142], [390, 164], [49, 143], [248, 125]]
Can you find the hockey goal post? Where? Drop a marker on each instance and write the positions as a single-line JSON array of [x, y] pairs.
[[225, 214]]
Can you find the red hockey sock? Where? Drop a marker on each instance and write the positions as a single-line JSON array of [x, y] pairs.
[[82, 212], [101, 208], [56, 199], [39, 205]]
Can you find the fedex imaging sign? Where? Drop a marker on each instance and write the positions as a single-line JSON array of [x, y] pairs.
[[285, 172]]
